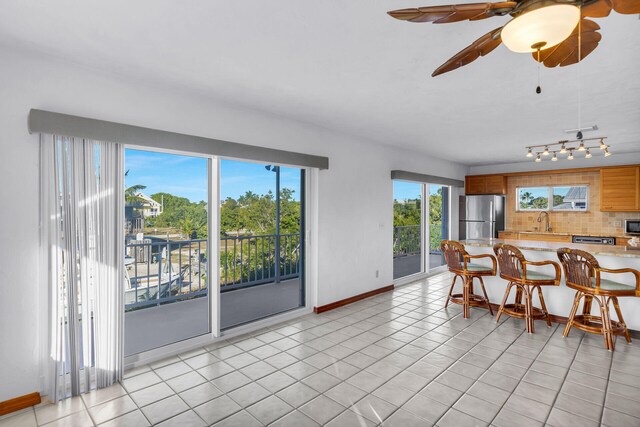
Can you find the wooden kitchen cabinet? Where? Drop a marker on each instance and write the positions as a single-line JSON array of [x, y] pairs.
[[622, 241], [546, 238], [538, 237], [485, 184], [620, 189]]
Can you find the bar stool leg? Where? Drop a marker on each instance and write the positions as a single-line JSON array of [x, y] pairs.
[[528, 310], [504, 301], [620, 318], [588, 302], [544, 306], [465, 297], [486, 298], [606, 323], [517, 303], [572, 315], [453, 282]]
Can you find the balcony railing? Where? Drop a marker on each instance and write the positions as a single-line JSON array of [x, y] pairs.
[[407, 239], [161, 271], [254, 260]]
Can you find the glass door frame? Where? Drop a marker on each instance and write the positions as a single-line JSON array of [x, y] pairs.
[[445, 214], [425, 231], [309, 274]]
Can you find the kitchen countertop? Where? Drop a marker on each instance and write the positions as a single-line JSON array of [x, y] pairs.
[[553, 233], [533, 245]]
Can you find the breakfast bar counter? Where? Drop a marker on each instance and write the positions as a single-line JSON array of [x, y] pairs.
[[560, 298]]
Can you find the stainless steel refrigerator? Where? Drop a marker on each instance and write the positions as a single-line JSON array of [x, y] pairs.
[[481, 217]]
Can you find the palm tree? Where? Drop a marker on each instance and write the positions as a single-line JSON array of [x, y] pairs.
[[187, 227], [131, 194], [525, 198]]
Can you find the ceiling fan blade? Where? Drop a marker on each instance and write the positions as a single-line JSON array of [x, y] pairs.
[[567, 52], [453, 12], [598, 9], [626, 7], [478, 48]]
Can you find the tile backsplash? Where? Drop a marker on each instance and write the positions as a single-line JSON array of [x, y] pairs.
[[592, 222]]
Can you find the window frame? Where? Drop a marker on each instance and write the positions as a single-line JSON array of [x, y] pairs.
[[550, 194]]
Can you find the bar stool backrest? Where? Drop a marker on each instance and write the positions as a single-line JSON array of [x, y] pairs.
[[454, 253], [510, 261], [579, 266]]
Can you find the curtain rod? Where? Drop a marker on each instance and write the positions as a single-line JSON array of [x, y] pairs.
[[41, 121], [429, 179]]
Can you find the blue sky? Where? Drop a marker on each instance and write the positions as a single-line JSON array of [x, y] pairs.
[[186, 176], [403, 190]]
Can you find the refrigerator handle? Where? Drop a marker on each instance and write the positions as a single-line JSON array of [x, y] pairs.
[[491, 211]]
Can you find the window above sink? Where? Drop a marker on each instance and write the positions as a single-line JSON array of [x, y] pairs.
[[567, 198]]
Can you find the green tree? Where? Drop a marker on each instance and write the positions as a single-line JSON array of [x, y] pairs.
[[131, 194], [525, 199]]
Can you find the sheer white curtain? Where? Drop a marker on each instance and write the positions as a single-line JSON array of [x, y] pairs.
[[82, 203]]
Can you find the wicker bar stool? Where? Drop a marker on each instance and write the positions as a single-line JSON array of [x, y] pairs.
[[583, 273], [513, 268], [458, 263]]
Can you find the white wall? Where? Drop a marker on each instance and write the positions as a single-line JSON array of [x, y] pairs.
[[354, 195]]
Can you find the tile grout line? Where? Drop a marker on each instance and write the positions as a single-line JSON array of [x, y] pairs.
[[606, 388], [521, 378], [477, 379], [564, 379]]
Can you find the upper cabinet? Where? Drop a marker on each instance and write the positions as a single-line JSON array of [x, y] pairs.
[[620, 189], [485, 184]]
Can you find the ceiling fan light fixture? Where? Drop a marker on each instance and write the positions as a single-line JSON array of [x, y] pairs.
[[540, 28]]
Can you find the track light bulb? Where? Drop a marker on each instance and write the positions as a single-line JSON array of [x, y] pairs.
[[581, 147], [529, 153], [554, 158], [606, 152], [570, 155], [538, 159], [588, 155], [563, 149], [546, 151], [603, 146]]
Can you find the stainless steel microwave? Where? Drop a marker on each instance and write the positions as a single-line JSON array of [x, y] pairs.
[[632, 226]]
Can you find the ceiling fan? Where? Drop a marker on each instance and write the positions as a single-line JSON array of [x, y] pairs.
[[556, 32]]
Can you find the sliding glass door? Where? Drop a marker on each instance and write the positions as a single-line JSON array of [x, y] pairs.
[[166, 289], [417, 232], [438, 223], [261, 241], [408, 254]]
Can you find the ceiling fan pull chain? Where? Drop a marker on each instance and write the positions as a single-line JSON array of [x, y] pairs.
[[538, 89], [579, 66]]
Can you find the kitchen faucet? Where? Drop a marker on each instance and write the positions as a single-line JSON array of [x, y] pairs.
[[547, 227]]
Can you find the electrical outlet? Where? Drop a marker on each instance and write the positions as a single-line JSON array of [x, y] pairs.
[[377, 273]]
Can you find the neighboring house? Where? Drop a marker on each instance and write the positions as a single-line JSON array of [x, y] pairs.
[[148, 206], [576, 198], [135, 213]]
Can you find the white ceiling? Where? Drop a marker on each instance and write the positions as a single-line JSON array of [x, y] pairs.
[[349, 67]]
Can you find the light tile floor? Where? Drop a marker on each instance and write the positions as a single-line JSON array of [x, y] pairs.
[[397, 359]]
